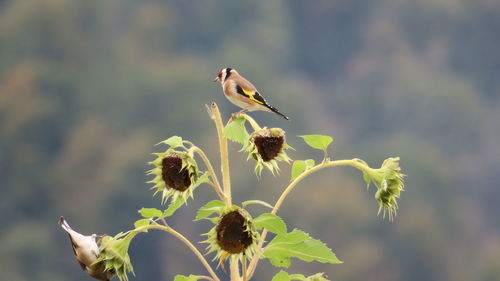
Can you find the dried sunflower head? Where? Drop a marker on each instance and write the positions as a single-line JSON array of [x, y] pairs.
[[176, 173], [267, 147], [233, 235]]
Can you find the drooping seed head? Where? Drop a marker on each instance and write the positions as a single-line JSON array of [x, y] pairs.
[[232, 233]]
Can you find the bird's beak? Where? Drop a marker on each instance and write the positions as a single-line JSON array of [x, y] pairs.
[[216, 79]]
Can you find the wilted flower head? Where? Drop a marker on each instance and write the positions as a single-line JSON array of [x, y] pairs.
[[114, 253], [389, 181], [175, 174], [267, 147], [233, 235]]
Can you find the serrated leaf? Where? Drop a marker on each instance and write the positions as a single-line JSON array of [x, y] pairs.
[[173, 206], [297, 244], [298, 167], [141, 222], [173, 142], [211, 207], [318, 141], [179, 277], [256, 202], [150, 212], [236, 131], [271, 222]]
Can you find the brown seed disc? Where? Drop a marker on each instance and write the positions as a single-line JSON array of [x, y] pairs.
[[268, 147], [173, 175], [232, 236]]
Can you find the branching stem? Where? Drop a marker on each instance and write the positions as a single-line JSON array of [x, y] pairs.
[[215, 184], [185, 241], [288, 189]]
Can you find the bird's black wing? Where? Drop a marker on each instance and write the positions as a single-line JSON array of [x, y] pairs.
[[255, 96], [260, 98]]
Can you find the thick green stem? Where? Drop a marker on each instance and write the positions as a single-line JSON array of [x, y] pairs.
[[288, 189], [186, 241], [224, 155]]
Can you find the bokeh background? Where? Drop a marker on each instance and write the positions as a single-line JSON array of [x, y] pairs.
[[88, 87]]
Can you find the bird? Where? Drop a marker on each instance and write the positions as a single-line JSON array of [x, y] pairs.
[[242, 92], [86, 252]]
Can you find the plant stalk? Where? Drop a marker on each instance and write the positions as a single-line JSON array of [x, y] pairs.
[[235, 270], [224, 155], [288, 189], [216, 185], [186, 241]]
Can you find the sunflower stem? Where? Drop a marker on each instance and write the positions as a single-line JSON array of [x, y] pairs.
[[288, 189], [224, 156], [185, 241], [235, 270], [216, 184], [244, 268]]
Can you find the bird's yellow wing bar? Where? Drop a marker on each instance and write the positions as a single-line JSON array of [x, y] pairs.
[[255, 96]]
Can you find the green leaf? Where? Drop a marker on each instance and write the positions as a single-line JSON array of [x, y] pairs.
[[281, 276], [142, 222], [204, 178], [191, 277], [300, 245], [318, 141], [271, 222], [367, 179], [298, 167], [173, 142], [366, 176], [150, 212], [173, 206], [236, 130], [297, 277], [211, 207], [284, 276], [257, 202], [310, 163]]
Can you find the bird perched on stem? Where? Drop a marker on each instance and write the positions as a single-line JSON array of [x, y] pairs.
[[242, 92], [86, 252]]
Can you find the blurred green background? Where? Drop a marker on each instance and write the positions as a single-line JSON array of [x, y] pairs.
[[88, 87]]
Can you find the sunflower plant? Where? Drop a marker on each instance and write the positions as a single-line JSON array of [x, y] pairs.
[[238, 238]]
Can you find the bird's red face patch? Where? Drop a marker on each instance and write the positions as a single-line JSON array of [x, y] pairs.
[[219, 76]]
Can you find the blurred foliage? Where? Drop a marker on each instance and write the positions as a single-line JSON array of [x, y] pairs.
[[88, 87]]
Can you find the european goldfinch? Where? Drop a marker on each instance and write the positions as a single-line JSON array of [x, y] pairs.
[[242, 93], [86, 252]]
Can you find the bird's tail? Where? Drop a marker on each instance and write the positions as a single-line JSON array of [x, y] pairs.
[[273, 109], [64, 224]]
